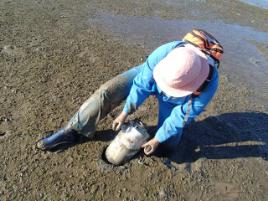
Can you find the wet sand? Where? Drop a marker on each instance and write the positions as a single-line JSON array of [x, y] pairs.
[[55, 54]]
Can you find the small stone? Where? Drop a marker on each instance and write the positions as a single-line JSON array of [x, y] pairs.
[[162, 194], [2, 133]]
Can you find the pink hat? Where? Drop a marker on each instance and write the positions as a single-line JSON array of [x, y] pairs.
[[182, 71]]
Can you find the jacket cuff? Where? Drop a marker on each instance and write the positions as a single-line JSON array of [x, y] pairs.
[[160, 137]]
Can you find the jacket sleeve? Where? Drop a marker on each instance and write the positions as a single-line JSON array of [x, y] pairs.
[[142, 87], [173, 125], [144, 82]]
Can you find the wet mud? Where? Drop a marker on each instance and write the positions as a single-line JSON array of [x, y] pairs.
[[55, 54]]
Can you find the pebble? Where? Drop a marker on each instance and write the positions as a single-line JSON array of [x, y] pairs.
[[2, 133], [162, 194], [254, 61], [5, 119], [94, 189]]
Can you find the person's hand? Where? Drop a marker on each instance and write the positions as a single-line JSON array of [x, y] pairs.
[[150, 146], [117, 123]]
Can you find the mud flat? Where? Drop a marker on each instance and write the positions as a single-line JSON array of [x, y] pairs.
[[54, 54]]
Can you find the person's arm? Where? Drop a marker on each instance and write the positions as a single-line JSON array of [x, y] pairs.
[[173, 125], [143, 83], [142, 87]]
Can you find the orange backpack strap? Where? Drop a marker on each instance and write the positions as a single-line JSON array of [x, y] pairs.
[[206, 42]]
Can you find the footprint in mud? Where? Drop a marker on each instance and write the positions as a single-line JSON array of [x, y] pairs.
[[12, 51]]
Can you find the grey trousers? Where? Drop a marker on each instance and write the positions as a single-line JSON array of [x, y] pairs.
[[102, 101]]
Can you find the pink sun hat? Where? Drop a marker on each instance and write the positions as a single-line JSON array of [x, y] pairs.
[[182, 71]]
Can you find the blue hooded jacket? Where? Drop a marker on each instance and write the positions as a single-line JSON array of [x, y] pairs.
[[171, 110]]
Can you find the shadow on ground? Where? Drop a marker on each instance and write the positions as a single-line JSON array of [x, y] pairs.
[[227, 136]]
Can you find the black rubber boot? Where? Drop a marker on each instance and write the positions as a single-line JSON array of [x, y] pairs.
[[58, 138]]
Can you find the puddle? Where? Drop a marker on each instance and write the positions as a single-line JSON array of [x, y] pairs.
[[258, 3], [243, 59]]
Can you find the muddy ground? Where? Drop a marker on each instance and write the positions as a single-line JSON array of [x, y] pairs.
[[52, 58]]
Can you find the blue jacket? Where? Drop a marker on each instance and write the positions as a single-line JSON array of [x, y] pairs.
[[145, 85]]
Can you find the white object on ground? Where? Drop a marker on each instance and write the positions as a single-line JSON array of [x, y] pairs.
[[127, 143]]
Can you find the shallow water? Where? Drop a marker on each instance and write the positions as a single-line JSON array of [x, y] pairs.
[[244, 60], [258, 3]]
